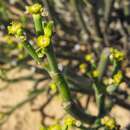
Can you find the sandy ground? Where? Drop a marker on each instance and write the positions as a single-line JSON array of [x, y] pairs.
[[25, 119]]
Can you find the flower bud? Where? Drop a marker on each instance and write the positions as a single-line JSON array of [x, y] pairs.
[[43, 41], [34, 9], [15, 28], [69, 121], [117, 78], [48, 29], [109, 122], [55, 127]]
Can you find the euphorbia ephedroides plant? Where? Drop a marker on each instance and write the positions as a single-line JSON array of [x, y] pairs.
[[44, 44]]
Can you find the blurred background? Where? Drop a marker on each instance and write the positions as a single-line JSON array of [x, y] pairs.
[[83, 28]]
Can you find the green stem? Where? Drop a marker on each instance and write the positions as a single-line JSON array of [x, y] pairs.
[[100, 99], [98, 87], [31, 51], [115, 67], [38, 24], [103, 63], [64, 91]]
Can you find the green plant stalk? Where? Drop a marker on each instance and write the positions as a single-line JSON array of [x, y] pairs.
[[63, 88], [64, 91], [98, 87], [103, 63], [100, 99], [31, 51], [116, 67], [38, 24], [56, 75]]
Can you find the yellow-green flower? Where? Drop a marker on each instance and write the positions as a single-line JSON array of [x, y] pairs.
[[8, 39], [43, 128], [95, 73], [109, 122], [83, 68], [116, 54], [117, 78], [15, 28], [34, 9], [53, 86], [55, 127], [21, 56], [69, 121], [43, 41], [108, 81], [89, 57], [20, 46], [48, 29]]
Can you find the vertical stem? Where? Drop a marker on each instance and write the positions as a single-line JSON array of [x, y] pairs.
[[31, 51], [103, 63], [64, 91], [57, 76], [96, 18], [99, 99], [38, 23], [99, 90]]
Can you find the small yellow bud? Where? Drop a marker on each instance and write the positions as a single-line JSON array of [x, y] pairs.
[[89, 57], [43, 41], [21, 56], [8, 39], [55, 127], [69, 121], [119, 56], [118, 77], [43, 128], [34, 9], [108, 81], [20, 46], [116, 54], [95, 73], [53, 86], [83, 68]]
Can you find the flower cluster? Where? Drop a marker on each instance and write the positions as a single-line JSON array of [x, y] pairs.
[[45, 40], [52, 127], [34, 9], [53, 86], [109, 122], [116, 54], [89, 58], [116, 80], [82, 68], [118, 77], [69, 122], [95, 73], [16, 29], [8, 39]]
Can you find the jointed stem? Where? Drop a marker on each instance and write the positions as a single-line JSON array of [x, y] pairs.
[[64, 91]]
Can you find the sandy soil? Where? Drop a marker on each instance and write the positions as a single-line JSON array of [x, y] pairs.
[[26, 119]]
